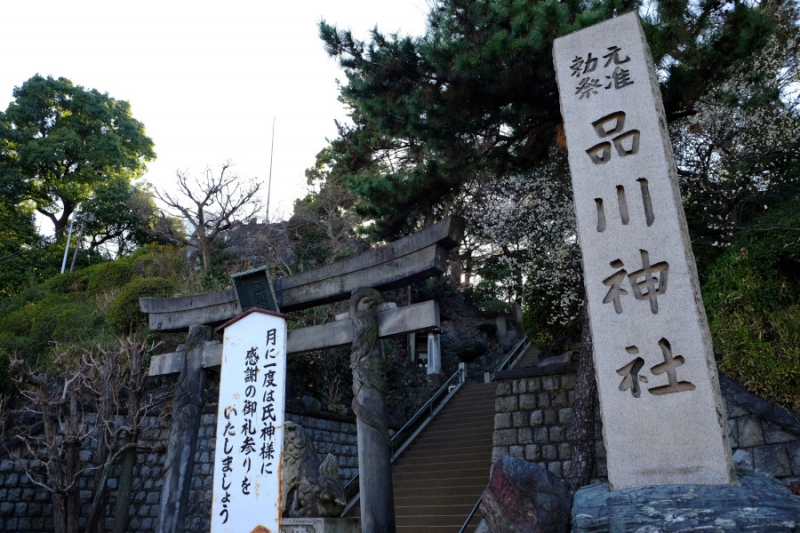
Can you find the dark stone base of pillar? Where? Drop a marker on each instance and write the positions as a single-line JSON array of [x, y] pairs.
[[760, 503]]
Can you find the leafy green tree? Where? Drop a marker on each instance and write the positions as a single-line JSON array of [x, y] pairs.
[[477, 93], [59, 142], [122, 213], [438, 119]]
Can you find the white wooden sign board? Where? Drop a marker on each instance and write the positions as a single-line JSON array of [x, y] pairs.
[[663, 418], [250, 425]]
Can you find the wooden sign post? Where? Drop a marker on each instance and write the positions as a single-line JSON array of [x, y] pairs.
[[250, 424]]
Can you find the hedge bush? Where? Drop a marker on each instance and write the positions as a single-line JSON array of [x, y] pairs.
[[752, 297], [124, 314]]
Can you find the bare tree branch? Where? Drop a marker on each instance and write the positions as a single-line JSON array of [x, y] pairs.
[[210, 206]]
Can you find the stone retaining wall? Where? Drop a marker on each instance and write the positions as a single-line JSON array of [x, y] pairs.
[[27, 508], [533, 418], [534, 412]]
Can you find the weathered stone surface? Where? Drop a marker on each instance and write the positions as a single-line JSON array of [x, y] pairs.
[[419, 317], [759, 503], [663, 417], [772, 459], [524, 498], [320, 525], [396, 264]]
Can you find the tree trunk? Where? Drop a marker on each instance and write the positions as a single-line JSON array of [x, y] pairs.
[[125, 492], [73, 450], [125, 486], [583, 422]]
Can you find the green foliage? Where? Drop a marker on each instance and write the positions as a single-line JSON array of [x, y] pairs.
[[495, 307], [30, 331], [124, 314], [110, 276], [70, 309], [434, 289], [476, 94], [470, 349], [752, 296], [59, 142]]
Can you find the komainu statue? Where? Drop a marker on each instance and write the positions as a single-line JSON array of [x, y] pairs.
[[309, 488]]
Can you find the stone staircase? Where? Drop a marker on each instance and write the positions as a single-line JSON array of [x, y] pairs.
[[441, 475], [438, 479]]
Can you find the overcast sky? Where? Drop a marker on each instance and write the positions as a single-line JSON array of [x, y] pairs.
[[206, 78]]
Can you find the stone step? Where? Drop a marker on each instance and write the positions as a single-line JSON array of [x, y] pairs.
[[438, 464], [443, 458], [407, 492], [438, 479], [434, 520], [434, 499]]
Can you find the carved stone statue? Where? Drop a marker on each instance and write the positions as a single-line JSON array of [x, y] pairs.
[[369, 404], [367, 362], [309, 488]]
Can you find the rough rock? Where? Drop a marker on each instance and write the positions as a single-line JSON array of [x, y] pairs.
[[758, 503], [524, 498]]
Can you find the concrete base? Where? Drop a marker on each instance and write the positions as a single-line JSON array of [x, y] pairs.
[[758, 503], [320, 525]]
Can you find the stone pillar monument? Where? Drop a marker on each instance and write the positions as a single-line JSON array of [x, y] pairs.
[[369, 404], [663, 418]]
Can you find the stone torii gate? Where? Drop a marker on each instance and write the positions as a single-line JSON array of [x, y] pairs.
[[359, 278]]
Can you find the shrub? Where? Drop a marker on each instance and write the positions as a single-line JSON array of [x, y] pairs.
[[64, 318], [470, 350], [752, 296], [109, 276], [124, 314]]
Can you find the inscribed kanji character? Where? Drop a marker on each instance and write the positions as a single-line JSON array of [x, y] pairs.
[[251, 357], [613, 55], [614, 281], [272, 336], [249, 445], [250, 408], [246, 486], [224, 478], [668, 367], [224, 513], [269, 396], [269, 378], [249, 392], [646, 285], [268, 413], [247, 428], [226, 464], [630, 374], [587, 87], [227, 412], [267, 451], [246, 464], [250, 374], [601, 153], [619, 78], [267, 431], [225, 447], [229, 429], [264, 468], [227, 497]]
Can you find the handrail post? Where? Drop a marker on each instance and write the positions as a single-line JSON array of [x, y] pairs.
[[463, 368]]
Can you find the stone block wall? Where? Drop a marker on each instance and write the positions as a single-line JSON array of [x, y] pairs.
[[533, 418], [763, 436], [534, 412], [27, 508]]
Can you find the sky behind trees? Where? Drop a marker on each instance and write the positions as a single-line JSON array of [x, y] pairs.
[[206, 78]]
